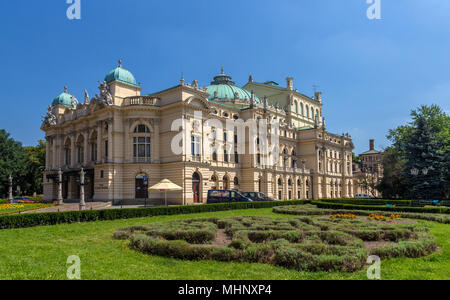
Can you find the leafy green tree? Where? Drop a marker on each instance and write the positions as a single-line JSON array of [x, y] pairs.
[[13, 161], [36, 160], [391, 184]]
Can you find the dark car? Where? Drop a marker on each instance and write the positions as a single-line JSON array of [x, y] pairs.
[[226, 196], [255, 196]]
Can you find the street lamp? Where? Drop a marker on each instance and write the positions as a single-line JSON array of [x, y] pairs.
[[60, 181], [82, 182]]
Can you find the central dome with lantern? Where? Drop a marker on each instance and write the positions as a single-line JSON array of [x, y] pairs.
[[224, 89]]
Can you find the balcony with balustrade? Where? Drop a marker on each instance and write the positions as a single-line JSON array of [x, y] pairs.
[[141, 101]]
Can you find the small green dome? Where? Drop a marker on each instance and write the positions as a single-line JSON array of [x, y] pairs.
[[225, 88], [121, 75], [64, 99]]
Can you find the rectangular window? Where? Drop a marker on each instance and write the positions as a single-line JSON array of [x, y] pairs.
[[141, 148], [225, 156], [236, 157], [106, 149], [195, 146]]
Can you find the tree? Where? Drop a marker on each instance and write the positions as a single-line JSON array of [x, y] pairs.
[[391, 184], [421, 146], [36, 159], [423, 170], [13, 161], [369, 182]]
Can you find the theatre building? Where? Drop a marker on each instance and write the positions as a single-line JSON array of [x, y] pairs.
[[123, 138]]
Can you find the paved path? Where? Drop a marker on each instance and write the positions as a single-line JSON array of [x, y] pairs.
[[73, 207]]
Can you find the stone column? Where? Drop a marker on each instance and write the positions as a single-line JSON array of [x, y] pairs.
[[55, 154], [73, 152], [86, 147], [110, 141], [99, 141], [60, 179], [47, 153], [82, 201], [10, 193], [156, 154]]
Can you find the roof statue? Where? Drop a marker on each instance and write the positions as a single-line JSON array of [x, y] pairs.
[[86, 97], [50, 118], [105, 97]]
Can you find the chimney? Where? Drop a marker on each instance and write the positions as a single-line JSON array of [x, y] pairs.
[[318, 96], [372, 144], [290, 83]]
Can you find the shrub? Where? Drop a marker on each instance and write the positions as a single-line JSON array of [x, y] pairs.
[[30, 220], [334, 205], [306, 210], [301, 244]]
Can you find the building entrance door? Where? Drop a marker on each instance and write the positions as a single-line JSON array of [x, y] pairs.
[[141, 187], [196, 188]]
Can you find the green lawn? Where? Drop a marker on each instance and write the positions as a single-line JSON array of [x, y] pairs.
[[41, 253]]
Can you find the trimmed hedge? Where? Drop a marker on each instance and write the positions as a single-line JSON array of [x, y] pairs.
[[41, 219], [331, 205], [370, 202]]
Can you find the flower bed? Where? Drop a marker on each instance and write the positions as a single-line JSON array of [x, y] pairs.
[[310, 210]]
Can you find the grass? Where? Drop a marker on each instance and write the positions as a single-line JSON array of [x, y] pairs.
[[41, 253], [6, 209]]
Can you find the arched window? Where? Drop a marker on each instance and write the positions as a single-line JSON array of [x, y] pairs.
[[141, 129], [196, 185], [80, 149], [141, 143], [302, 110], [307, 111], [289, 182], [214, 154], [236, 181], [280, 183], [317, 113], [67, 153], [295, 106], [93, 146], [214, 183]]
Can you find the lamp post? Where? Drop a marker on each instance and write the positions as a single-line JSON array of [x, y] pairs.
[[82, 202], [60, 181], [10, 193]]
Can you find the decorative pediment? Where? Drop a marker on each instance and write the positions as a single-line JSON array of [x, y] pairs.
[[198, 102]]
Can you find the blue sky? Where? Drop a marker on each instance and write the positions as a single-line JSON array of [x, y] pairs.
[[371, 72]]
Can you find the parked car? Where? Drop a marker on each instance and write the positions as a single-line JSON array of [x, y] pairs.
[[226, 196], [364, 196], [255, 196]]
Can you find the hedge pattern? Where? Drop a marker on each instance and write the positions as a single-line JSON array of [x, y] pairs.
[[330, 205], [312, 210], [41, 219]]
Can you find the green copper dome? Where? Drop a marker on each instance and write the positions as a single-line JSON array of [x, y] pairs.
[[121, 75], [64, 99], [224, 88]]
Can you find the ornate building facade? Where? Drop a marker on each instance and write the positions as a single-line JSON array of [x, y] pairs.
[[123, 140]]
